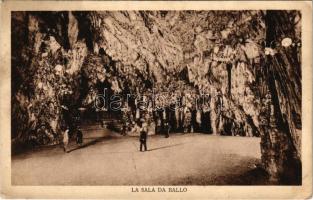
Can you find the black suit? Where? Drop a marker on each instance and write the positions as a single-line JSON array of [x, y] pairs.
[[143, 140]]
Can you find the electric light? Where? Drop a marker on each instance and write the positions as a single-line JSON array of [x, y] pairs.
[[286, 42]]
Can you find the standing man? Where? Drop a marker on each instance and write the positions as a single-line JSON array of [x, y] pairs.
[[143, 136], [167, 129], [65, 132]]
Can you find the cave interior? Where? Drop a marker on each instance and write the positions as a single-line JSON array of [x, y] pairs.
[[242, 67]]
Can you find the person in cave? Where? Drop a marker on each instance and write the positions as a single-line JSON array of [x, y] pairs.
[[157, 122], [126, 119], [167, 128], [143, 135], [71, 120], [65, 141], [79, 137], [166, 119]]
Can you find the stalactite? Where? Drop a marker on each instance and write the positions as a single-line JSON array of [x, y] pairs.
[[229, 67], [283, 129]]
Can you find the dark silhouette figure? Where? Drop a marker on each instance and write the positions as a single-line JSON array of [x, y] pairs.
[[79, 137], [167, 129], [143, 139]]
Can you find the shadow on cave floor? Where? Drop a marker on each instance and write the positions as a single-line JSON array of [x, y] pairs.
[[243, 175], [256, 176], [164, 147], [181, 159], [93, 140], [199, 159], [90, 137], [248, 172]]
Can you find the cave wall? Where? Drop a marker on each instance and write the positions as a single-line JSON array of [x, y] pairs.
[[46, 61], [281, 144], [203, 42]]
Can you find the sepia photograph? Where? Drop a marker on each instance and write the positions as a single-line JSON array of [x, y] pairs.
[[156, 97]]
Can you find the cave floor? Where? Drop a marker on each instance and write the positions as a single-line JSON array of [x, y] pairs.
[[110, 159]]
